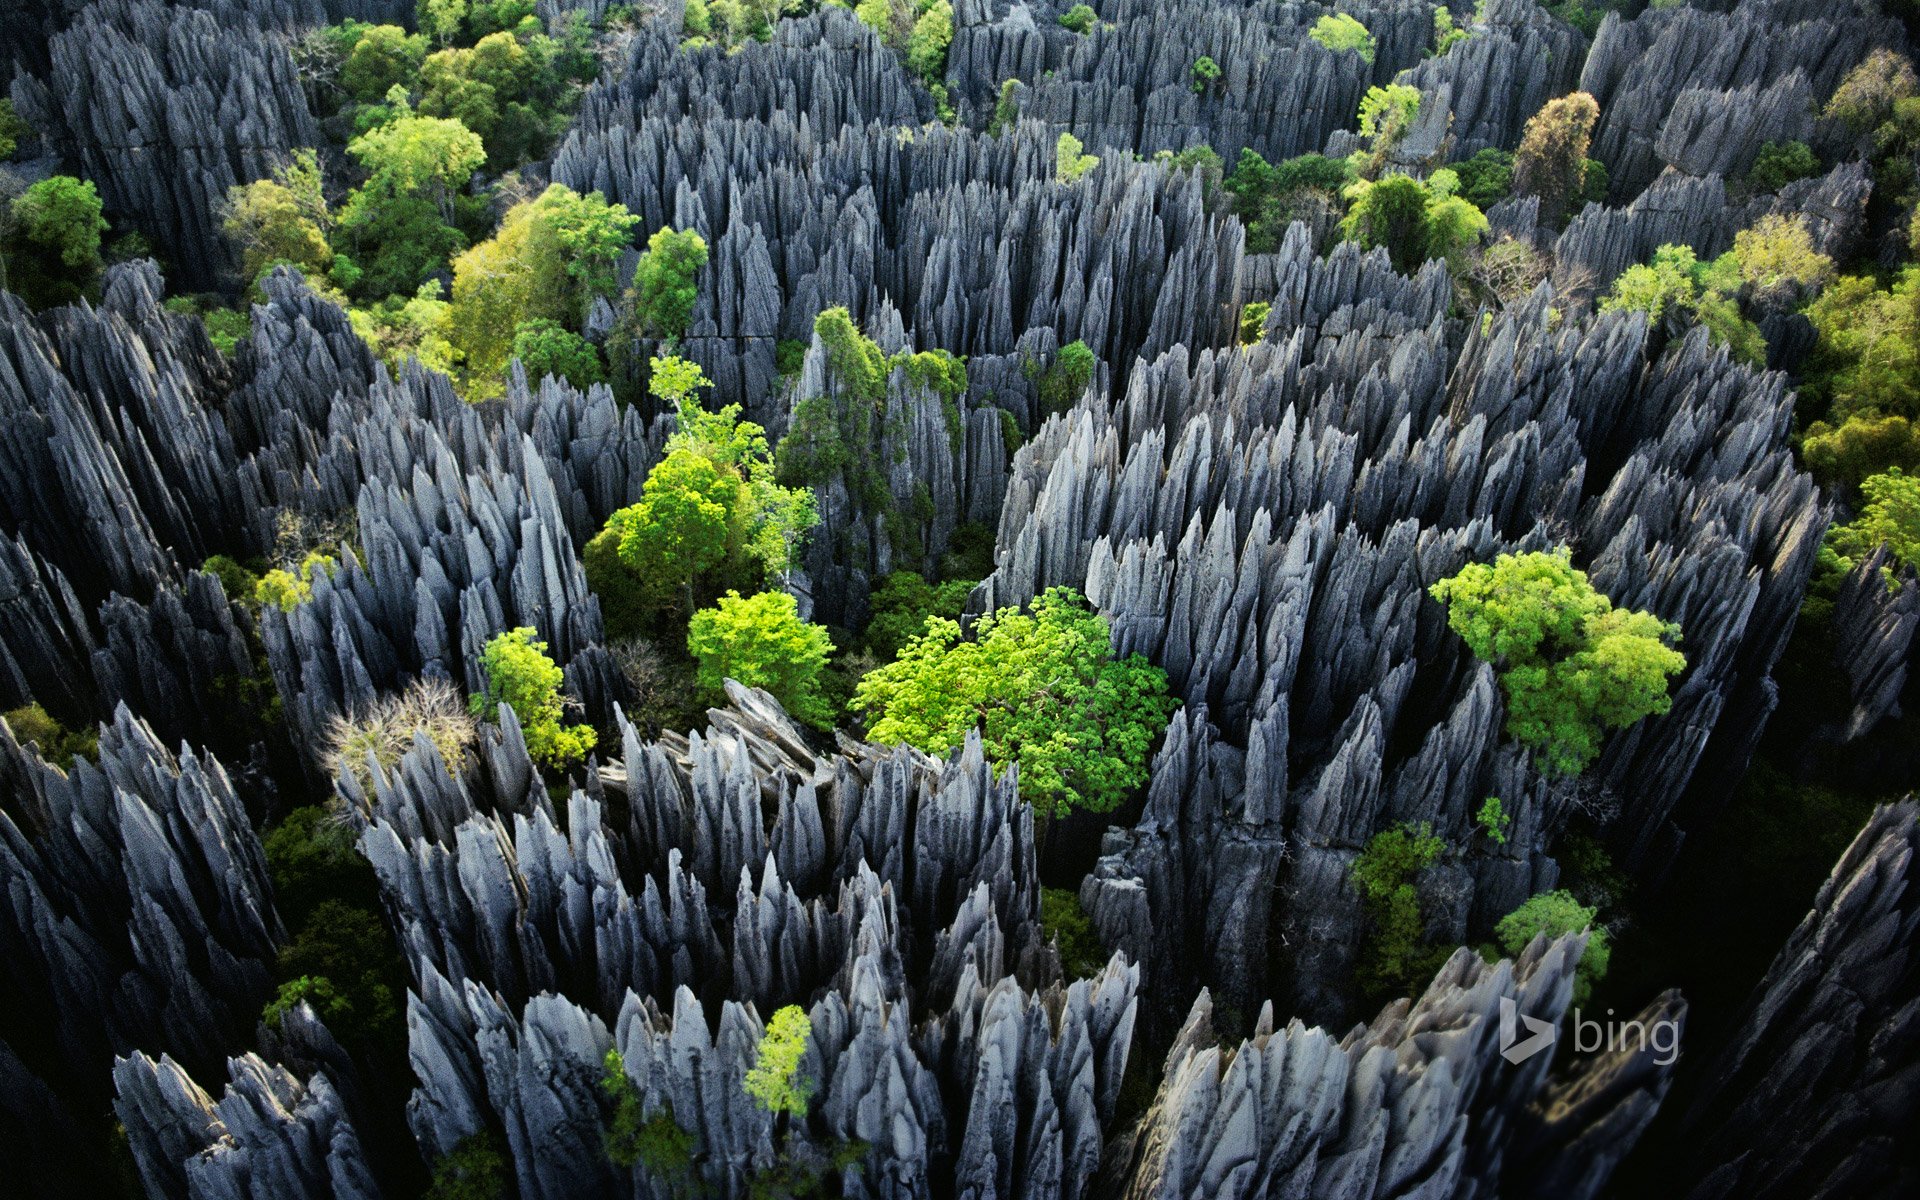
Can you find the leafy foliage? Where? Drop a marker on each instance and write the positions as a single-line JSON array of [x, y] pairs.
[[520, 675], [1493, 820], [1551, 162], [1253, 321], [58, 744], [1080, 19], [1780, 163], [665, 281], [1066, 377], [384, 57], [289, 589], [1043, 689], [1204, 72], [902, 604], [1066, 923], [1866, 98], [1863, 379], [473, 1170], [1777, 252], [1070, 164], [656, 1144], [1485, 179], [282, 220], [1675, 286], [1385, 874], [1415, 221], [1889, 517], [774, 1082], [1340, 32], [13, 129], [761, 641], [1267, 197], [1571, 665], [1556, 914], [53, 255], [546, 347]]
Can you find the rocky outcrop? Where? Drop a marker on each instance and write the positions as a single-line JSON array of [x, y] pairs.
[[137, 913], [1671, 81], [1264, 525], [1815, 1095], [165, 107], [1517, 58], [272, 1134], [1875, 620]]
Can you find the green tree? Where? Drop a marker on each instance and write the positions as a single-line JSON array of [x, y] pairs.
[[927, 44], [385, 57], [1267, 198], [281, 220], [1066, 377], [1043, 689], [1571, 665], [1253, 321], [775, 1082], [1205, 71], [1780, 163], [1675, 285], [546, 347], [902, 604], [657, 1144], [520, 675], [1446, 34], [289, 589], [1493, 820], [547, 262], [57, 744], [1557, 914], [1863, 379], [13, 129], [1866, 98], [417, 326], [1389, 212], [1551, 162], [440, 19], [55, 254], [1386, 873], [666, 282], [1485, 179], [1340, 33], [429, 156], [1070, 164], [473, 1170], [1777, 252], [1890, 517], [672, 379], [1080, 19], [761, 641]]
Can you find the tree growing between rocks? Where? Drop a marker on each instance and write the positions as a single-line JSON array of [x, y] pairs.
[[1043, 689], [1571, 665], [520, 675], [761, 641], [1551, 162]]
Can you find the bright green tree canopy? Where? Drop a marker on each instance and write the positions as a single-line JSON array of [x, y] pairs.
[[666, 281], [520, 675], [1556, 914], [1571, 664], [1044, 690], [775, 1082], [761, 641]]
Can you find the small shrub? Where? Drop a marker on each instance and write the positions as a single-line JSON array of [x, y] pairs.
[[1339, 32], [774, 1082], [520, 675], [1205, 71], [1493, 820], [1070, 164], [1080, 18], [1385, 874], [385, 731], [1253, 321], [1779, 164], [1066, 923], [58, 744], [1556, 914]]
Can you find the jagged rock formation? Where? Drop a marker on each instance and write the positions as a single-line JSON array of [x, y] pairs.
[[165, 108], [1418, 1102], [1875, 621], [1264, 524], [1816, 1095], [1490, 84], [1696, 88], [137, 914], [271, 1136]]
